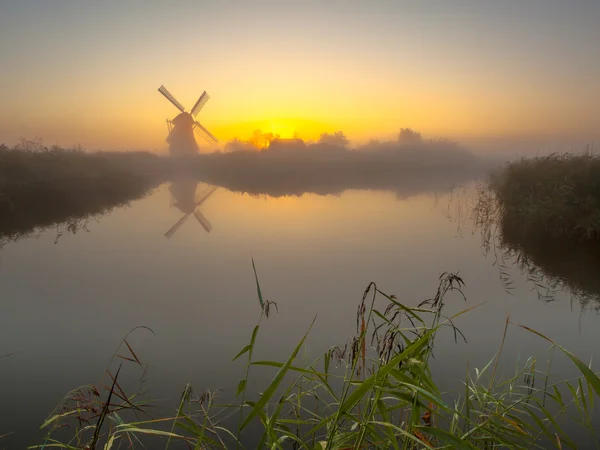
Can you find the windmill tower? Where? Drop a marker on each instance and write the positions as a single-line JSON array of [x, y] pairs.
[[184, 197], [182, 127]]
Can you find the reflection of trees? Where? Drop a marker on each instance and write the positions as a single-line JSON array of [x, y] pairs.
[[69, 211]]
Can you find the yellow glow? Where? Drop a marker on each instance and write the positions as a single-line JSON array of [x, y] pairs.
[[125, 113], [283, 129]]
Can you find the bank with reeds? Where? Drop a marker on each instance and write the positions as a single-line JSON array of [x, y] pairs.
[[556, 195], [542, 215], [41, 186]]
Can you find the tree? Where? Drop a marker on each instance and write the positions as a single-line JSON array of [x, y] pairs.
[[409, 136], [262, 140], [338, 139]]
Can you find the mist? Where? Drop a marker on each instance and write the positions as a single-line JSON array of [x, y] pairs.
[[408, 166]]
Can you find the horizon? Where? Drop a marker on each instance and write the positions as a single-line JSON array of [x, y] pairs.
[[485, 76]]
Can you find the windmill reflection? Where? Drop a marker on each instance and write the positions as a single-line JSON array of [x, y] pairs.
[[184, 197]]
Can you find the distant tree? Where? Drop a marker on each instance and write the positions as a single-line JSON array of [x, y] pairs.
[[258, 141], [32, 145], [409, 136], [338, 139], [237, 145], [262, 140]]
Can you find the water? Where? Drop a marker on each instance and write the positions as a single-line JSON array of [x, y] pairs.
[[67, 304]]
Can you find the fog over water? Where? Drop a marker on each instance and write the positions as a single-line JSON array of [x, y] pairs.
[[315, 254]]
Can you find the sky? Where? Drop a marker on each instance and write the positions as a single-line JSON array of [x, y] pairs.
[[87, 72]]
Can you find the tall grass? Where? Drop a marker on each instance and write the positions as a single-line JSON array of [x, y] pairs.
[[376, 392], [42, 186], [558, 195], [543, 216]]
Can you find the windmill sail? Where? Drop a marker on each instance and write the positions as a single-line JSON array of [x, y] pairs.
[[204, 195], [203, 221], [182, 128], [204, 133], [200, 104], [167, 94], [176, 227]]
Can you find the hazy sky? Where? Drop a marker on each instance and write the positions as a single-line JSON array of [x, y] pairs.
[[82, 71]]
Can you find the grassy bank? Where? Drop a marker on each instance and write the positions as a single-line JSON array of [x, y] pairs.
[[376, 392], [558, 195], [42, 186], [542, 215]]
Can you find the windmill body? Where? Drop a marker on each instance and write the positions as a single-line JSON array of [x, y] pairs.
[[181, 136], [182, 128]]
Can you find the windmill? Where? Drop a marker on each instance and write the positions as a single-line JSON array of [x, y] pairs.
[[184, 197], [182, 127]]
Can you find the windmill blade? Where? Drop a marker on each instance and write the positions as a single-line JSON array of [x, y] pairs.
[[176, 227], [203, 192], [203, 196], [167, 94], [203, 221], [204, 133], [200, 104]]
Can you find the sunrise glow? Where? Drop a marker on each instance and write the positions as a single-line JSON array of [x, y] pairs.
[[297, 70], [283, 129]]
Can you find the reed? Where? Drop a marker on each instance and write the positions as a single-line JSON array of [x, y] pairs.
[[376, 392], [542, 215], [41, 186], [558, 195]]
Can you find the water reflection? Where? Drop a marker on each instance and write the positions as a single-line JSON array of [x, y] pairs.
[[68, 210], [274, 175], [314, 255], [184, 197], [553, 264], [550, 264]]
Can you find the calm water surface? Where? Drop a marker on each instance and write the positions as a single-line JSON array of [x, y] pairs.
[[67, 305]]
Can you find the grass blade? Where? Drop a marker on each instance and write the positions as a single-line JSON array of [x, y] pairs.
[[268, 393]]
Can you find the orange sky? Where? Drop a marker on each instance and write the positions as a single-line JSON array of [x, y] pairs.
[[88, 73]]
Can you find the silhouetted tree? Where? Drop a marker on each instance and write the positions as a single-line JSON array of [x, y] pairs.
[[409, 136], [338, 139], [262, 140], [257, 141], [33, 145], [236, 145]]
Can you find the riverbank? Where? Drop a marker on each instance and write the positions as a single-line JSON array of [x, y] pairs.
[[40, 187], [557, 195], [543, 216]]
